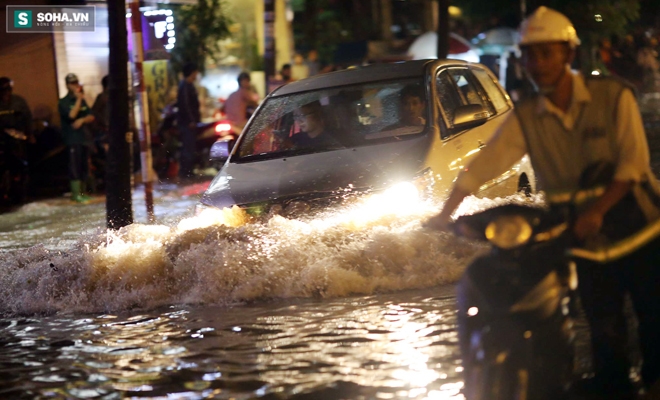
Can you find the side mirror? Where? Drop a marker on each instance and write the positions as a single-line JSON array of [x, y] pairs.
[[219, 152], [469, 116]]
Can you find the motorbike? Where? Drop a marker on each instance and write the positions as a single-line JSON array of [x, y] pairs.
[[515, 304], [166, 144]]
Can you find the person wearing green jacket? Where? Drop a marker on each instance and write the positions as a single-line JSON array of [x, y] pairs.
[[75, 114]]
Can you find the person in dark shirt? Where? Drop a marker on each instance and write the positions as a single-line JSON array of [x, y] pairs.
[[15, 114], [187, 118], [15, 132], [412, 108], [101, 126], [100, 112], [75, 115], [285, 73], [314, 132]]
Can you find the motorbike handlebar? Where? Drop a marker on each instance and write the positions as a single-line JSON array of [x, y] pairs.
[[474, 226], [621, 248]]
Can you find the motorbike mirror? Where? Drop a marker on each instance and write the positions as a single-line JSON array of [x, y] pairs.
[[469, 116], [220, 151]]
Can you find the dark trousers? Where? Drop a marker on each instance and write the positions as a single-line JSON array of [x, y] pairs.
[[187, 155], [602, 290], [78, 162]]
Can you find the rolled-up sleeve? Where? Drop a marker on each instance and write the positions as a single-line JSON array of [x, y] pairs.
[[633, 149], [505, 148]]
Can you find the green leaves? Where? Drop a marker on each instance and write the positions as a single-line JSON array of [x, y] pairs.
[[199, 30]]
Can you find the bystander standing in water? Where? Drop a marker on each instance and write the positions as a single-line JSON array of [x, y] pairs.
[[188, 116], [76, 117]]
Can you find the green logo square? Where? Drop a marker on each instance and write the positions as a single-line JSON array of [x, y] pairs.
[[22, 19]]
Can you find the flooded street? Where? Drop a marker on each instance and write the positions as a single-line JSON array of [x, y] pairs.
[[388, 346], [356, 302]]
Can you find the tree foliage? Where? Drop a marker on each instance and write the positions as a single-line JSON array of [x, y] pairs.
[[595, 19], [199, 29], [324, 24], [615, 16]]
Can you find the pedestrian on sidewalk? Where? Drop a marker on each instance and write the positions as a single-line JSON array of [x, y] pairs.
[[101, 125], [76, 116], [241, 103], [188, 116], [15, 134], [285, 74], [313, 65]]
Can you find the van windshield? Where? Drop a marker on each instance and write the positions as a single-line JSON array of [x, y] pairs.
[[336, 118]]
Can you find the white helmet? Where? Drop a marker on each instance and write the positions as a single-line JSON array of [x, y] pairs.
[[547, 25]]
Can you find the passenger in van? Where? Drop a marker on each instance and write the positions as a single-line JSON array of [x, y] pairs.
[[314, 130], [412, 107]]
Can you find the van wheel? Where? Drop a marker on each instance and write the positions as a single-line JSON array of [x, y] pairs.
[[524, 186]]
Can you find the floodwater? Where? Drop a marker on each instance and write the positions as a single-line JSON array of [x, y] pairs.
[[354, 303]]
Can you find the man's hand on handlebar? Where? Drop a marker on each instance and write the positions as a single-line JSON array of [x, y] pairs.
[[588, 224], [439, 223]]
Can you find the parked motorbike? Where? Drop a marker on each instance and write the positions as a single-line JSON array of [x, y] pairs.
[[515, 303], [166, 144], [220, 149]]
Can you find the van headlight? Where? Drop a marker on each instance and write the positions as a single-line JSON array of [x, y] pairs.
[[509, 231], [199, 208]]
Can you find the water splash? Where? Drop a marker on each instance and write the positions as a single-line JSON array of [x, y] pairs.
[[373, 244]]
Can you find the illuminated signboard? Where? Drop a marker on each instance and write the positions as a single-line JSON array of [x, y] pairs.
[[158, 34]]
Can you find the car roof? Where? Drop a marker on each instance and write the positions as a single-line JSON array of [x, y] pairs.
[[369, 73]]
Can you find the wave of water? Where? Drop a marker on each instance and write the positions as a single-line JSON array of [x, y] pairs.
[[223, 257]]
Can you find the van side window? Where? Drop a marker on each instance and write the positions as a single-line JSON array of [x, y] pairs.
[[457, 87], [494, 93]]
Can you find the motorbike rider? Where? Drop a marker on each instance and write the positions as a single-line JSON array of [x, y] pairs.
[[239, 102], [573, 122]]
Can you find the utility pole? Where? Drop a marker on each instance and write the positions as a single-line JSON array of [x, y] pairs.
[[443, 28], [269, 42], [118, 203], [142, 116]]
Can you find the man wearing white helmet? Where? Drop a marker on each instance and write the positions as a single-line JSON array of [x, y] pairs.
[[571, 125]]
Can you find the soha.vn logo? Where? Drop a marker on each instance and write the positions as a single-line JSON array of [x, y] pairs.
[[22, 18]]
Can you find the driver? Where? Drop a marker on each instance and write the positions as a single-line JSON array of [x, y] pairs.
[[571, 123], [314, 131]]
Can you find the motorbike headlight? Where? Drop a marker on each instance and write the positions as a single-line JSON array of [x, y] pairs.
[[509, 231]]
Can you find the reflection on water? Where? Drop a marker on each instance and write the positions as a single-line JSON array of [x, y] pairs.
[[60, 224], [350, 303], [399, 345]]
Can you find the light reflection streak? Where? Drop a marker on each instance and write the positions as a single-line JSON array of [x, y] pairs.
[[402, 352], [299, 348]]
